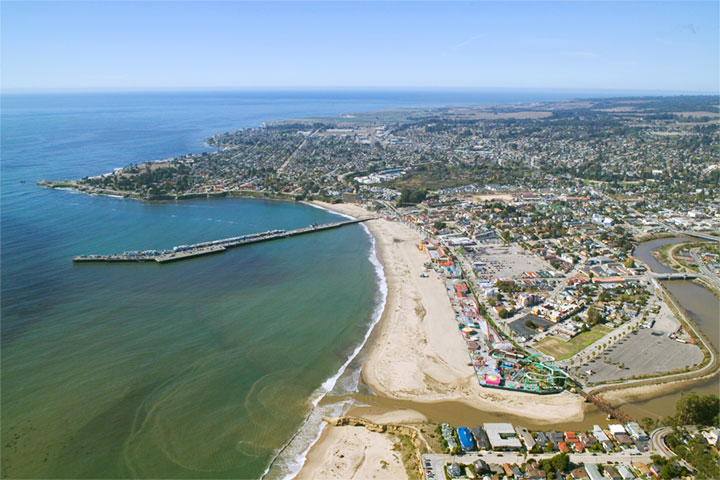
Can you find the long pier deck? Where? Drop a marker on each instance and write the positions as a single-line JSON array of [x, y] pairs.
[[183, 252]]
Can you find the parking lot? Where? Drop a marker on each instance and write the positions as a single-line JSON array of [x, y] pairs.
[[500, 261], [646, 352]]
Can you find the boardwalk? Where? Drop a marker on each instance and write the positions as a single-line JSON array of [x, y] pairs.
[[183, 252]]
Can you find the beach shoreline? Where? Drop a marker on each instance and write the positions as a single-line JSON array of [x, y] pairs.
[[415, 354]]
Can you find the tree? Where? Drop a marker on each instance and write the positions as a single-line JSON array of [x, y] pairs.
[[505, 237], [439, 225], [594, 316], [629, 262], [693, 409], [560, 461], [669, 470], [410, 196]]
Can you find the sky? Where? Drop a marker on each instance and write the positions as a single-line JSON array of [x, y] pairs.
[[644, 46]]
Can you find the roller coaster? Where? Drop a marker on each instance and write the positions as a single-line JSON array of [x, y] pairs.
[[535, 373]]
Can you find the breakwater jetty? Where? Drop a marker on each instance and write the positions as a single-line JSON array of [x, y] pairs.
[[183, 252]]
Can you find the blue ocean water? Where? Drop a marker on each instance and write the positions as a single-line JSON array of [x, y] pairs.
[[198, 369]]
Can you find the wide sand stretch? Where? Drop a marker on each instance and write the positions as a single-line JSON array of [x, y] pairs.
[[417, 352], [353, 453]]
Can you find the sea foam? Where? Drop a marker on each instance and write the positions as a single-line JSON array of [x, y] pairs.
[[290, 458]]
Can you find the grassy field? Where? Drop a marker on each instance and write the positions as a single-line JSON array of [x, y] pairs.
[[561, 350]]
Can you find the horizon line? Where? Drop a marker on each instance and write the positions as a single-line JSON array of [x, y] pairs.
[[301, 88]]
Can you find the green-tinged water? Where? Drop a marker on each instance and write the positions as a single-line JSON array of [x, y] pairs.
[[201, 368]]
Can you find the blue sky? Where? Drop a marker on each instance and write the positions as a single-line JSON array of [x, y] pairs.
[[662, 46]]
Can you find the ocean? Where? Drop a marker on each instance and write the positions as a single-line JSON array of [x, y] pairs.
[[209, 368]]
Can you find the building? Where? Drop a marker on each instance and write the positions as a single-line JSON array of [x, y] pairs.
[[555, 437], [454, 470], [625, 472], [642, 468], [502, 436], [526, 437], [612, 473], [532, 472], [481, 467], [541, 440], [636, 431], [579, 474], [348, 197], [481, 438], [593, 471], [466, 441]]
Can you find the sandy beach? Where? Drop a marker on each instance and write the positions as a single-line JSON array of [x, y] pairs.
[[417, 354], [352, 453]]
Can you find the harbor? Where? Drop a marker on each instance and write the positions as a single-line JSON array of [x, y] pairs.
[[183, 252]]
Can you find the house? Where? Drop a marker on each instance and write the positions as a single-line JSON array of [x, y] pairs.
[[563, 447], [508, 470], [526, 437], [579, 474], [532, 472], [517, 472], [642, 468], [593, 471], [454, 470], [466, 441], [555, 437], [625, 472], [612, 473], [636, 431], [587, 439], [712, 436], [541, 440], [481, 467], [616, 429], [481, 438], [623, 440]]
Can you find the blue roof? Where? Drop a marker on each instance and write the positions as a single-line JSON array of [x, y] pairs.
[[465, 437]]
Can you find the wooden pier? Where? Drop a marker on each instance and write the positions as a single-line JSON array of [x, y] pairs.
[[183, 252]]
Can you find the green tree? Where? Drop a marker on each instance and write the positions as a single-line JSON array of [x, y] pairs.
[[560, 461], [693, 409]]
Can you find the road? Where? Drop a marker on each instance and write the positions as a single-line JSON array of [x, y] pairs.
[[438, 461], [709, 275], [657, 443], [290, 158]]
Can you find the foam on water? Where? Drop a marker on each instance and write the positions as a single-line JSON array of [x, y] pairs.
[[291, 457]]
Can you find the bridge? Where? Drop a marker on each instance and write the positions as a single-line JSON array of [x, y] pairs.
[[599, 402], [704, 236], [182, 252], [673, 276]]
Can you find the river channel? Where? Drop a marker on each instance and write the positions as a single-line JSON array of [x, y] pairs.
[[701, 305]]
